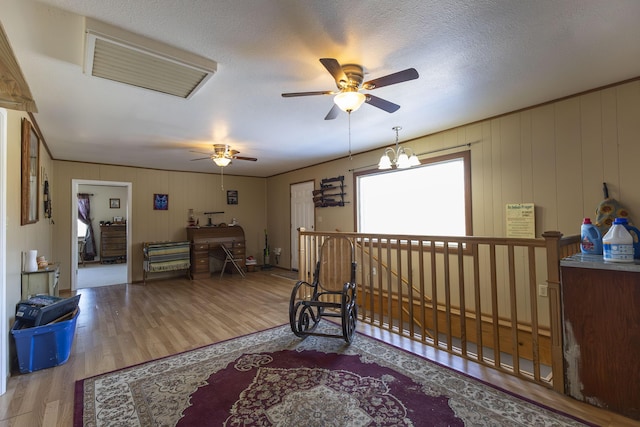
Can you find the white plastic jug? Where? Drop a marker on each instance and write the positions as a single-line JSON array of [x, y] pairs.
[[617, 244], [31, 261]]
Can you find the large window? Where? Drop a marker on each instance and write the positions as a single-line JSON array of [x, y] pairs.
[[432, 199]]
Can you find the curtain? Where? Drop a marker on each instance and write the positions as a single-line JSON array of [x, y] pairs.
[[84, 215]]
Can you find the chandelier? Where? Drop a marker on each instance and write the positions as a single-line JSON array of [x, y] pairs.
[[399, 157]]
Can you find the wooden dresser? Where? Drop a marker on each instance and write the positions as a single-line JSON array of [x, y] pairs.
[[206, 241], [113, 243]]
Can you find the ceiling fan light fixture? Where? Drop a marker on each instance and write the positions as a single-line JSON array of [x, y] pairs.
[[349, 101], [221, 161]]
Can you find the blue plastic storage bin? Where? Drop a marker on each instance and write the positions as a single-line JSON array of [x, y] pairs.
[[44, 346]]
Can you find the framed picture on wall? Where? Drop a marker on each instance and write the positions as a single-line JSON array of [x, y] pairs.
[[114, 203], [30, 174], [232, 197], [161, 202]]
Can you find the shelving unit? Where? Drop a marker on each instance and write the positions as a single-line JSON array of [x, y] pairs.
[[331, 193]]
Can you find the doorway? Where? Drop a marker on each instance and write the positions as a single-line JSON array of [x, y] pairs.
[[302, 215], [110, 205], [4, 341]]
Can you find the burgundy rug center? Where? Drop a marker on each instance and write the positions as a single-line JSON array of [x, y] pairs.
[[314, 389]]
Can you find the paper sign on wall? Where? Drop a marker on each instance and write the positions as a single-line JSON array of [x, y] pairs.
[[521, 220]]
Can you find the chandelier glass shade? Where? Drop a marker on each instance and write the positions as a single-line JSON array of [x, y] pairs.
[[400, 157], [349, 101], [221, 161]]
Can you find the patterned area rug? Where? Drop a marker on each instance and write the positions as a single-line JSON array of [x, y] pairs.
[[273, 378]]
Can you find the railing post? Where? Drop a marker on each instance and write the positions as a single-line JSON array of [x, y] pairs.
[[552, 241], [302, 259]]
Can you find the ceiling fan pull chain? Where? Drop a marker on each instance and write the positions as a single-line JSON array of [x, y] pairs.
[[350, 158], [221, 179]]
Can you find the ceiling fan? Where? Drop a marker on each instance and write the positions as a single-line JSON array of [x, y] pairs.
[[349, 78], [223, 154]]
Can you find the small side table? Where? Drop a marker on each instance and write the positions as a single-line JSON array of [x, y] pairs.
[[43, 281]]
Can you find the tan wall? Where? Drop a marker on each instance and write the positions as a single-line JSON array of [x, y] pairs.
[[201, 192], [556, 156], [21, 238]]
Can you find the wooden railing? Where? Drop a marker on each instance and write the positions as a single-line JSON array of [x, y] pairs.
[[495, 301]]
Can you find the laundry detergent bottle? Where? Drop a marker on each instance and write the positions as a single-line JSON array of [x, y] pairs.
[[590, 238], [617, 244]]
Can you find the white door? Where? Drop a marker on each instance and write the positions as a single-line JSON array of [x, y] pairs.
[[302, 215]]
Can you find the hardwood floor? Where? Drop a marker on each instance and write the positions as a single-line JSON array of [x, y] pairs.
[[122, 325]]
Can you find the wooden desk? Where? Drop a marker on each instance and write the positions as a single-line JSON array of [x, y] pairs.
[[206, 241]]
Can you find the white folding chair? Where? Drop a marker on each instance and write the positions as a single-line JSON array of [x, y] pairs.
[[229, 258]]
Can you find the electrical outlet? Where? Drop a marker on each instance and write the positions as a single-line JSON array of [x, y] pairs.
[[542, 289], [374, 271]]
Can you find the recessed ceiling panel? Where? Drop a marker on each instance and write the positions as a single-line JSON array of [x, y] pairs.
[[115, 54]]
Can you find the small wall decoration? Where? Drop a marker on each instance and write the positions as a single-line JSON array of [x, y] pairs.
[[232, 197], [114, 203], [46, 198], [161, 202]]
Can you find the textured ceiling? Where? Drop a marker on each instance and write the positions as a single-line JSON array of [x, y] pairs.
[[476, 59]]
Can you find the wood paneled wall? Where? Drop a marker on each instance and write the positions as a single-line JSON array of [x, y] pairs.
[[556, 156]]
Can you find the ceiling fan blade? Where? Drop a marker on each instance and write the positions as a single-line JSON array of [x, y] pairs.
[[319, 92], [252, 159], [199, 152], [333, 113], [334, 67], [391, 79], [383, 104], [202, 158]]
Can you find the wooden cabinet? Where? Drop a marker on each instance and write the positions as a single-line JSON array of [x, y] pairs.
[[601, 334], [44, 281], [113, 243], [205, 243]]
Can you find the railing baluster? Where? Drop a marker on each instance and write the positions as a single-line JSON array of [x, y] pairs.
[[379, 280], [478, 300], [515, 351], [434, 294], [463, 305], [533, 297], [389, 287], [447, 294], [423, 297], [494, 307]]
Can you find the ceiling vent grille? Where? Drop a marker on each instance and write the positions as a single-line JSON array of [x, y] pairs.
[[118, 55]]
